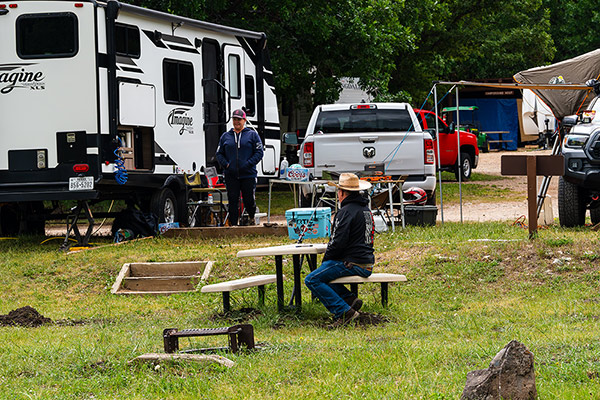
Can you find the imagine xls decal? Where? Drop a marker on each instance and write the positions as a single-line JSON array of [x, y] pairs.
[[179, 117], [17, 76]]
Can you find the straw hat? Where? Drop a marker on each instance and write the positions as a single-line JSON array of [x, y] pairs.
[[350, 182]]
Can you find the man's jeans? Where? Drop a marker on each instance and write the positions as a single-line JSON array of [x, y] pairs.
[[332, 295]]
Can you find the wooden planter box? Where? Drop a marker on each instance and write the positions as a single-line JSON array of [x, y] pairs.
[[161, 278]]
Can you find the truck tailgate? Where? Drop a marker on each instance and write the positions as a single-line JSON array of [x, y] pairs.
[[401, 152]]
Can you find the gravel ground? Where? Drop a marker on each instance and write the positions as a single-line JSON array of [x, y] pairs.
[[489, 163]]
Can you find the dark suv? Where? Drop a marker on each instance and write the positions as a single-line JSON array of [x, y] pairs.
[[579, 188]]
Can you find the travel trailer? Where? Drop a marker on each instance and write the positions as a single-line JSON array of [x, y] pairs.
[[113, 101]]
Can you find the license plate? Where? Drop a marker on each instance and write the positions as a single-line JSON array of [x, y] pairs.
[[81, 183]]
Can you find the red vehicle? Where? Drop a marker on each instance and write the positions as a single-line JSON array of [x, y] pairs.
[[469, 152]]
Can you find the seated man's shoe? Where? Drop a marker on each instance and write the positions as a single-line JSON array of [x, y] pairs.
[[345, 319], [354, 302]]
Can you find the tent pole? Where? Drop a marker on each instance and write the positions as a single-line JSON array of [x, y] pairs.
[[437, 138], [458, 158], [546, 181]]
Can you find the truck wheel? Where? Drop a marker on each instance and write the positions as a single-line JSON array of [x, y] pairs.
[[164, 205], [466, 167], [571, 205], [595, 215], [431, 199]]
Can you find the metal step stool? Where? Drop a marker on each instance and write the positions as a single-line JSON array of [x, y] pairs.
[[238, 335]]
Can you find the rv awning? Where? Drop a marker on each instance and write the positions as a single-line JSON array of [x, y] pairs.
[[577, 70]]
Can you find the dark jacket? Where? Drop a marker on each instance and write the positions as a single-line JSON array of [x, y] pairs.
[[352, 232], [239, 154]]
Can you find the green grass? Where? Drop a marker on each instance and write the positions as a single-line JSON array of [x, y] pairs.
[[479, 188], [475, 177], [472, 288]]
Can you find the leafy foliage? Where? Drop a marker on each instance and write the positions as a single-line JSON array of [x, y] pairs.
[[397, 48]]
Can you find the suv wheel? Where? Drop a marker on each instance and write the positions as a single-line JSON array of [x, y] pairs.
[[466, 168], [571, 204]]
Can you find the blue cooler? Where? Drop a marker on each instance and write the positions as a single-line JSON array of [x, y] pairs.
[[317, 220]]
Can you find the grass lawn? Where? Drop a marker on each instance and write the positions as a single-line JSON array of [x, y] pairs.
[[471, 289]]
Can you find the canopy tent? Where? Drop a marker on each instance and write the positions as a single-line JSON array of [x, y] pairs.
[[576, 70]]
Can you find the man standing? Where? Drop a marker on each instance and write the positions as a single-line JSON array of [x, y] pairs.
[[349, 252], [240, 149]]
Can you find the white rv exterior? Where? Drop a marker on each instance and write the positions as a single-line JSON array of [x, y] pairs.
[[80, 79]]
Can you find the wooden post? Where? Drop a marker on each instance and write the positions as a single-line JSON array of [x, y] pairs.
[[531, 196], [532, 166]]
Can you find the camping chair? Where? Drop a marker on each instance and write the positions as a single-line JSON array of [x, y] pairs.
[[380, 204]]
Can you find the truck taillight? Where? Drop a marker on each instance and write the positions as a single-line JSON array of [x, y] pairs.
[[308, 155], [429, 153]]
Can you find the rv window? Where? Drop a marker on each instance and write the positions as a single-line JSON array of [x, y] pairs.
[[48, 35], [127, 38], [250, 97], [234, 77], [178, 78]]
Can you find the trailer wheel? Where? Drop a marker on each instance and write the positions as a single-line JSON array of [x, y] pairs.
[[9, 219], [571, 205], [22, 219], [164, 205], [466, 167], [35, 221], [595, 215]]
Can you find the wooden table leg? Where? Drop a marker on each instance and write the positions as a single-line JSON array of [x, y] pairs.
[[279, 274], [297, 281]]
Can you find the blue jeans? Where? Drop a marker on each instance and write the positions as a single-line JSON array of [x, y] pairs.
[[333, 295]]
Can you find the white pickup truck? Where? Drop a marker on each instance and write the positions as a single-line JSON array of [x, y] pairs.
[[351, 137]]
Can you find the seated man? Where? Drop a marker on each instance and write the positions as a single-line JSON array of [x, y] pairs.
[[349, 252]]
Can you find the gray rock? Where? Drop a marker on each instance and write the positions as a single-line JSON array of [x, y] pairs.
[[509, 376]]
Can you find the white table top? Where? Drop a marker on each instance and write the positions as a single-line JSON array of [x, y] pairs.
[[304, 248]]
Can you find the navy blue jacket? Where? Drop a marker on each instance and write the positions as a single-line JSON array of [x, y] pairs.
[[352, 232], [239, 154]]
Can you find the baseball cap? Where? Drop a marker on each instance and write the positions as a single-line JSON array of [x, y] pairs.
[[239, 114]]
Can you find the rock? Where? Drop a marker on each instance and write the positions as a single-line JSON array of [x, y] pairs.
[[509, 376]]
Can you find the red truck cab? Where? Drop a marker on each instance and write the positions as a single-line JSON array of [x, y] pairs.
[[469, 152]]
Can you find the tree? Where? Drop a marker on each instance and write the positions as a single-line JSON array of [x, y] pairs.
[[314, 43], [573, 27], [473, 39]]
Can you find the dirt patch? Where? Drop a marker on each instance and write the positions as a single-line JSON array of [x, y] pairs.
[[25, 316], [366, 319]]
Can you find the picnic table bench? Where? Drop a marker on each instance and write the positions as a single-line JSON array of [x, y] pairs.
[[227, 287], [383, 278]]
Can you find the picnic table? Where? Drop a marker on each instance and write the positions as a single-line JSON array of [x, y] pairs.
[[500, 141], [295, 250]]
